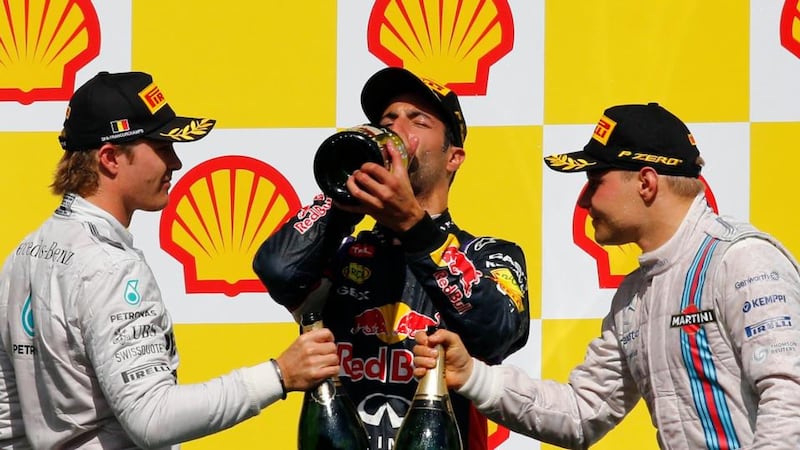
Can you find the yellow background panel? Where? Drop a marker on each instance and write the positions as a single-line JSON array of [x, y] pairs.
[[208, 351], [498, 190], [773, 181], [246, 64], [564, 344], [691, 56], [29, 162]]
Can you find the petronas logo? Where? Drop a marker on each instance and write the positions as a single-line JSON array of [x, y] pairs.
[[27, 318], [132, 296]]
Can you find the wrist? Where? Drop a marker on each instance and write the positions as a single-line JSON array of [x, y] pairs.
[[423, 236], [279, 373]]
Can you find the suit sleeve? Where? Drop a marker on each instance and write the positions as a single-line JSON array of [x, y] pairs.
[[130, 345], [479, 287], [291, 263], [599, 394]]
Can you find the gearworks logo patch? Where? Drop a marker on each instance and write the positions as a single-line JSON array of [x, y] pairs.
[[43, 43], [218, 215], [613, 261], [453, 41]]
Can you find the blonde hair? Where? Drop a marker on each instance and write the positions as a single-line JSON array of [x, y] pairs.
[[79, 171], [680, 185], [687, 186], [684, 186], [76, 172]]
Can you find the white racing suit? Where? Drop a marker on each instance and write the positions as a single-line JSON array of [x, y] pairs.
[[705, 330], [93, 349]]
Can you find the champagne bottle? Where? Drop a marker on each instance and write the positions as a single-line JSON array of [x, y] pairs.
[[328, 418], [342, 153], [430, 423]]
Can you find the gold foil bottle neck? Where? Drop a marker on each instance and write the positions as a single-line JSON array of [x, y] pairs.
[[313, 326], [432, 386], [311, 321]]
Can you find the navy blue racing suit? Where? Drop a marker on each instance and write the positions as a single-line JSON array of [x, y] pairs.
[[377, 289]]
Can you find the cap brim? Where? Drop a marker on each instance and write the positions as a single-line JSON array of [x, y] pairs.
[[574, 162], [386, 84], [183, 129]]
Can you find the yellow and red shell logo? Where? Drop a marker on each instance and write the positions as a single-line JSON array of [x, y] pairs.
[[453, 41], [42, 46], [790, 26], [614, 262], [218, 215]]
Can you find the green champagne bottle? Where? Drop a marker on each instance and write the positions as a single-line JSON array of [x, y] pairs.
[[328, 418], [430, 423]]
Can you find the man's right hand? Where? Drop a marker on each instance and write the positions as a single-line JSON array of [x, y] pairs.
[[457, 360], [311, 358], [386, 195]]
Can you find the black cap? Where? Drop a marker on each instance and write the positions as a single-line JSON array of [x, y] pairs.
[[123, 107], [630, 137], [386, 84]]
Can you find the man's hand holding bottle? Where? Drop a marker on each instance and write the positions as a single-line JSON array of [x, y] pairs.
[[458, 361], [310, 359]]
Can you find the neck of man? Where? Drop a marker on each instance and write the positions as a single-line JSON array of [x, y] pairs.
[[663, 220], [111, 204]]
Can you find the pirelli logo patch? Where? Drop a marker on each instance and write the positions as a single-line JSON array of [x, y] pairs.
[[603, 130], [152, 98], [145, 370]]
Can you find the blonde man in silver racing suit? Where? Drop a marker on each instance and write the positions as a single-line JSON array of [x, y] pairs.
[[705, 330], [88, 357]]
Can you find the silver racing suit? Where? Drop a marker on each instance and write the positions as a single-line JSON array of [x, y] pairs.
[[705, 330], [93, 349]]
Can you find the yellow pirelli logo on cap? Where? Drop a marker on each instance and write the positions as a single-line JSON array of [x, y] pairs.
[[603, 130], [152, 97], [440, 88]]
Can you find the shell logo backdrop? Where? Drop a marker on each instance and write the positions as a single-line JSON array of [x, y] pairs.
[[534, 77]]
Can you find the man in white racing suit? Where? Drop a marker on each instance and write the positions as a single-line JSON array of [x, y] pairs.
[[88, 357], [704, 330]]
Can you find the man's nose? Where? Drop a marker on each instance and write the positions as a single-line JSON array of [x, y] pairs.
[[173, 162], [402, 129], [584, 199]]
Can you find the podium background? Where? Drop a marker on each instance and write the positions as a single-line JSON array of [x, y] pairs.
[[279, 77]]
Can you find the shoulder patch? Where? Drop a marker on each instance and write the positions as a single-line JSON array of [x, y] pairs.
[[729, 230], [104, 239]]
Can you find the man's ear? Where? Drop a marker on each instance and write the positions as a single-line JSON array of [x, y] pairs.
[[456, 158], [648, 184], [108, 159]]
